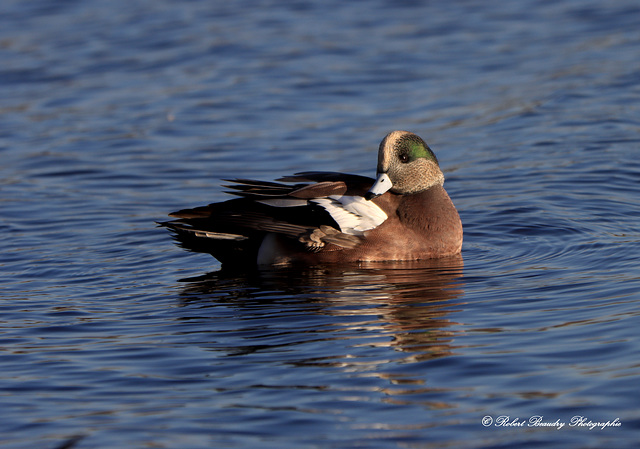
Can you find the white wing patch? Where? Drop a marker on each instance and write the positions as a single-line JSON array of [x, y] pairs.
[[353, 214]]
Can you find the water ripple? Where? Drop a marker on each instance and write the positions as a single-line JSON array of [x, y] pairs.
[[138, 110]]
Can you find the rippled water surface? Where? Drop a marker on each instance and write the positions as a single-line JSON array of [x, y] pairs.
[[115, 113]]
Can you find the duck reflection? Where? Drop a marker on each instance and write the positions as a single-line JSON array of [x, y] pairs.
[[382, 320], [400, 305]]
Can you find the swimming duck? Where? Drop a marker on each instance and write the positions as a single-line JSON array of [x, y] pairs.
[[327, 217]]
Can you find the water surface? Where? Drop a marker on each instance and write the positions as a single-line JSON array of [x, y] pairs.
[[115, 114]]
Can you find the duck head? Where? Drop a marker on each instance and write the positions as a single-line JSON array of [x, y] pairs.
[[406, 165]]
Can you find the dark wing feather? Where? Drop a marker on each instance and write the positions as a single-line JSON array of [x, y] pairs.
[[320, 190], [232, 230], [260, 189], [320, 176], [246, 217], [355, 184]]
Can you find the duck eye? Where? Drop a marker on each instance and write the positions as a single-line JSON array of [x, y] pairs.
[[404, 158]]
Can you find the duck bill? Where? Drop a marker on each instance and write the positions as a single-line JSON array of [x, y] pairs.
[[382, 184]]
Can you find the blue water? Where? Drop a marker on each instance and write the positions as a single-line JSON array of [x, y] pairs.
[[115, 113]]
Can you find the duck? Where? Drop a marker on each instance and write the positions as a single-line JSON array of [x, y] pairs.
[[320, 217]]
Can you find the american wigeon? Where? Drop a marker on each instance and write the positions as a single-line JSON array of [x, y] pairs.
[[327, 217]]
